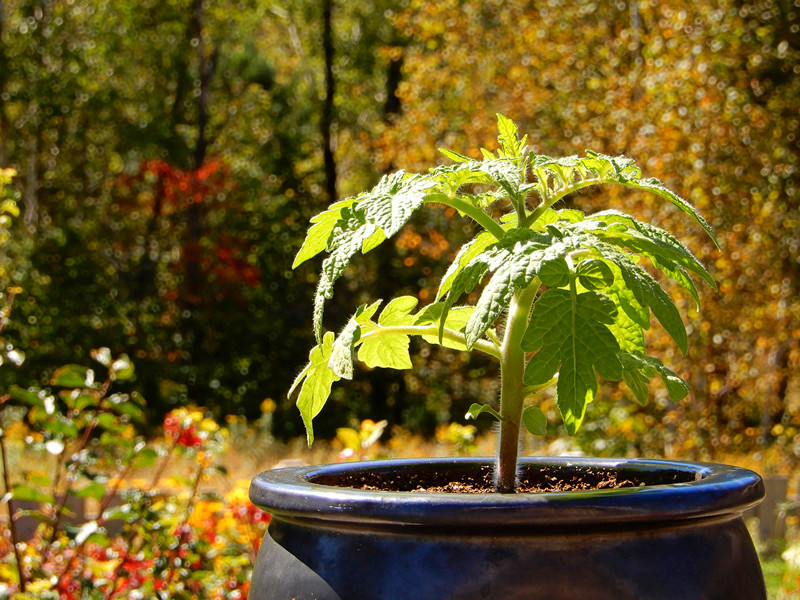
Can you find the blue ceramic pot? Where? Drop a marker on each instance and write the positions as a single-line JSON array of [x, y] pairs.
[[677, 535]]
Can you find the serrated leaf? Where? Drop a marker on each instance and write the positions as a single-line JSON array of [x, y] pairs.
[[534, 420], [319, 233], [465, 255], [72, 376], [652, 242], [678, 274], [597, 168], [346, 240], [655, 186], [638, 368], [315, 382], [387, 207], [638, 383], [455, 156], [504, 172], [516, 260], [475, 410], [648, 293], [509, 139], [569, 334]]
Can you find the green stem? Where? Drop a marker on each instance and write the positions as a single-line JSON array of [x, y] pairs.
[[512, 391], [473, 212], [530, 390], [433, 330], [539, 211]]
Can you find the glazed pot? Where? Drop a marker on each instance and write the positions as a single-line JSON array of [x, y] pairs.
[[677, 534]]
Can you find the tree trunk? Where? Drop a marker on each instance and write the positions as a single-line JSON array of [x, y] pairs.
[[327, 106]]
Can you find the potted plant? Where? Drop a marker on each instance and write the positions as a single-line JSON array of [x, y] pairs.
[[565, 300]]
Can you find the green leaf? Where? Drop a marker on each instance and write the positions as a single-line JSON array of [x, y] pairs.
[[346, 240], [146, 457], [631, 319], [475, 410], [389, 350], [60, 425], [648, 293], [594, 274], [398, 311], [569, 333], [534, 420], [464, 282], [455, 156], [315, 383], [29, 397], [73, 376], [551, 216], [558, 177], [639, 368], [516, 260], [125, 405], [122, 368], [320, 232], [20, 491], [652, 242], [555, 273], [465, 255], [655, 186], [94, 490], [341, 360], [110, 423], [510, 142], [387, 207], [456, 320]]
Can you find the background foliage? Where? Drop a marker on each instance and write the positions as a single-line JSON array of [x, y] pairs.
[[169, 154]]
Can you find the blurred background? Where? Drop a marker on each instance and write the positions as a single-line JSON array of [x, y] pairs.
[[169, 154]]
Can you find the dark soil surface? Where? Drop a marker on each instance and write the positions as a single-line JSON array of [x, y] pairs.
[[548, 479]]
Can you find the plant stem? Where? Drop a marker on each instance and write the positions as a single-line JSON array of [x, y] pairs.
[[485, 346], [512, 395], [473, 212]]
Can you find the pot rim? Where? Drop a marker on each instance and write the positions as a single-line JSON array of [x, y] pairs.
[[709, 490]]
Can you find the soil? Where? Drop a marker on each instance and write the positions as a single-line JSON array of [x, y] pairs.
[[548, 479]]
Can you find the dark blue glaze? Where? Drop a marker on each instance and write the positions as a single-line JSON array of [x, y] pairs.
[[679, 536]]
